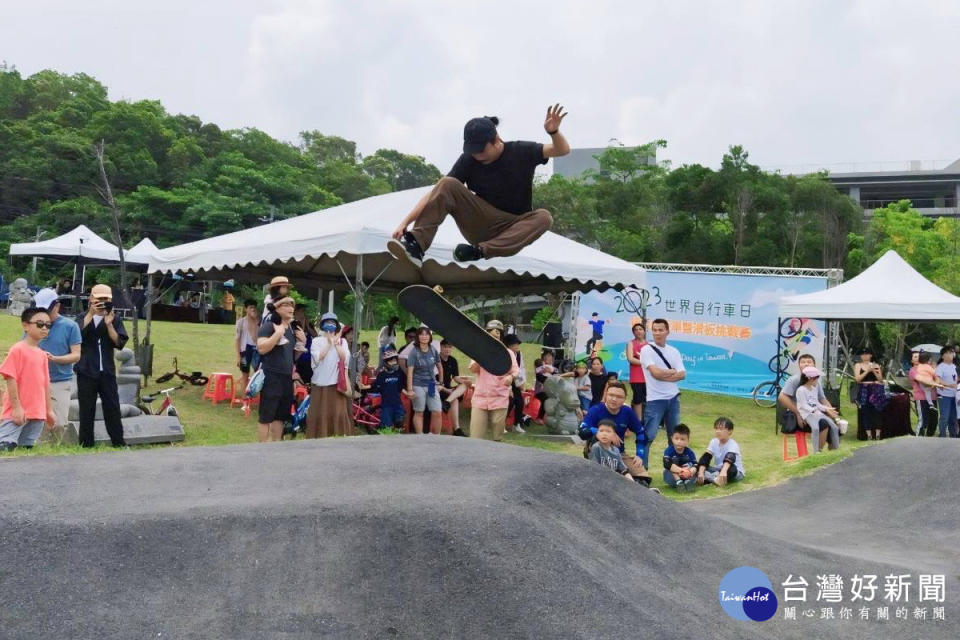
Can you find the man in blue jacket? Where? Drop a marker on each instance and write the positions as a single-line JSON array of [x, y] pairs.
[[625, 419]]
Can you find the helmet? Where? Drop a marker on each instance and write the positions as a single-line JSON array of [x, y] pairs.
[[495, 324]]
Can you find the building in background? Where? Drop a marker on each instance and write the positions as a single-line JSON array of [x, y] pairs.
[[933, 192], [577, 161]]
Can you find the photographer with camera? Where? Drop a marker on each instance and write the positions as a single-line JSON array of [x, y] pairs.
[[101, 332]]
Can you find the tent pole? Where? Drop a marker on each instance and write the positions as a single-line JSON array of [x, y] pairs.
[[148, 310], [359, 290], [776, 337], [330, 302]]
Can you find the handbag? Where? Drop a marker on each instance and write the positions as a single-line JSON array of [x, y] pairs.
[[343, 380], [789, 422]]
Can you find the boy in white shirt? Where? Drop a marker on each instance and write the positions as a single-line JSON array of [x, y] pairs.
[[722, 462]]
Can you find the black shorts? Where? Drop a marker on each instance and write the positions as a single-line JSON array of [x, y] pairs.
[[639, 392], [249, 359], [276, 397]]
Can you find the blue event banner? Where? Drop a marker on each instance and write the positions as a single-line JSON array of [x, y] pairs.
[[724, 325]]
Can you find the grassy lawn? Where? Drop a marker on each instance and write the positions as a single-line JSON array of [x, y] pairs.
[[209, 348]]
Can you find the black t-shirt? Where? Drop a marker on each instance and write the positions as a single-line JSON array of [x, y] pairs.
[[597, 384], [450, 370], [280, 358], [507, 182]]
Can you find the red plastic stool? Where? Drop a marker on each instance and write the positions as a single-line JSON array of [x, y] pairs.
[[216, 390], [801, 439], [248, 404]]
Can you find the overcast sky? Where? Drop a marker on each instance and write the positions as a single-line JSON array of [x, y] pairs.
[[796, 83]]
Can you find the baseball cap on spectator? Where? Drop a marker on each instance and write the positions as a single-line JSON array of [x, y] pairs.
[[811, 372], [45, 298]]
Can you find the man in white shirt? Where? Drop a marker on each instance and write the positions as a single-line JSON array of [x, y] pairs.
[[663, 367]]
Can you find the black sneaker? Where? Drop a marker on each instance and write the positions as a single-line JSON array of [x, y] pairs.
[[467, 253], [408, 245], [7, 446], [459, 432]]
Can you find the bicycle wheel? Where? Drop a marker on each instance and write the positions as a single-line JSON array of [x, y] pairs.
[[780, 360], [765, 394], [787, 329]]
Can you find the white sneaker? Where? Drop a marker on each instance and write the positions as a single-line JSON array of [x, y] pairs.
[[518, 429]]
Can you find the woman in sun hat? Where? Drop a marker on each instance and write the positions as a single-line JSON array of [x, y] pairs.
[[814, 413], [329, 413]]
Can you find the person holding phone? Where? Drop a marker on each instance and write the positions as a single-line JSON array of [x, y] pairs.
[[870, 395], [101, 333], [329, 413]]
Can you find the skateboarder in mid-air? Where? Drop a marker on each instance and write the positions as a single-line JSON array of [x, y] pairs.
[[489, 192]]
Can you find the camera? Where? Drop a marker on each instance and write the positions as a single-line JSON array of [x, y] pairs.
[[107, 307]]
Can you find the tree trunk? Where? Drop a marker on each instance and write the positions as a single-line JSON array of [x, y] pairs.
[[106, 192]]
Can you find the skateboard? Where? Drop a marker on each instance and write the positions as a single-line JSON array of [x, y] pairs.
[[444, 318]]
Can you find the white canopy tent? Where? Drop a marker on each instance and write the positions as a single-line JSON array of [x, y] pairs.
[[890, 289], [82, 247], [80, 244], [142, 252], [322, 248]]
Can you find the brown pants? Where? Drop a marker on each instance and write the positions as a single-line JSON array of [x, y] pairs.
[[496, 232], [635, 466], [488, 423]]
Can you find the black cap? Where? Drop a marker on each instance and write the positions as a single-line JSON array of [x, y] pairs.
[[511, 339], [477, 133]]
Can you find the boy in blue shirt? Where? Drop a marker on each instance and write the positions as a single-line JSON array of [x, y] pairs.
[[624, 419], [390, 382], [679, 461]]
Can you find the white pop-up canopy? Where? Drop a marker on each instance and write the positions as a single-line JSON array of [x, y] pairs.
[[326, 247], [81, 245], [890, 289], [142, 251]]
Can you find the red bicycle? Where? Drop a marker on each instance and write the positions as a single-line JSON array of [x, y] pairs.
[[166, 407], [366, 412]]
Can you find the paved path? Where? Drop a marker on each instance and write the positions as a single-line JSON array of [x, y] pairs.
[[406, 537]]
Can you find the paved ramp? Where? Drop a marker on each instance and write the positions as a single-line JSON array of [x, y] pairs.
[[897, 502], [381, 537]]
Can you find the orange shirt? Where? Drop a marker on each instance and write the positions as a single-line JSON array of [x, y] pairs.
[[28, 367]]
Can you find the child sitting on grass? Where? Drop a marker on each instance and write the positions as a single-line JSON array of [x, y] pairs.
[[724, 454], [679, 461], [604, 453]]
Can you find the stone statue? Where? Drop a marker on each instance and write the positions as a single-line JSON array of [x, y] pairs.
[[128, 389], [21, 298], [561, 405]]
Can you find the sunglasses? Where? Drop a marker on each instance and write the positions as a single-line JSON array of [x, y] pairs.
[[39, 324]]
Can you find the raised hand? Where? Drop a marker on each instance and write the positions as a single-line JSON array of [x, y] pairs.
[[554, 117]]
